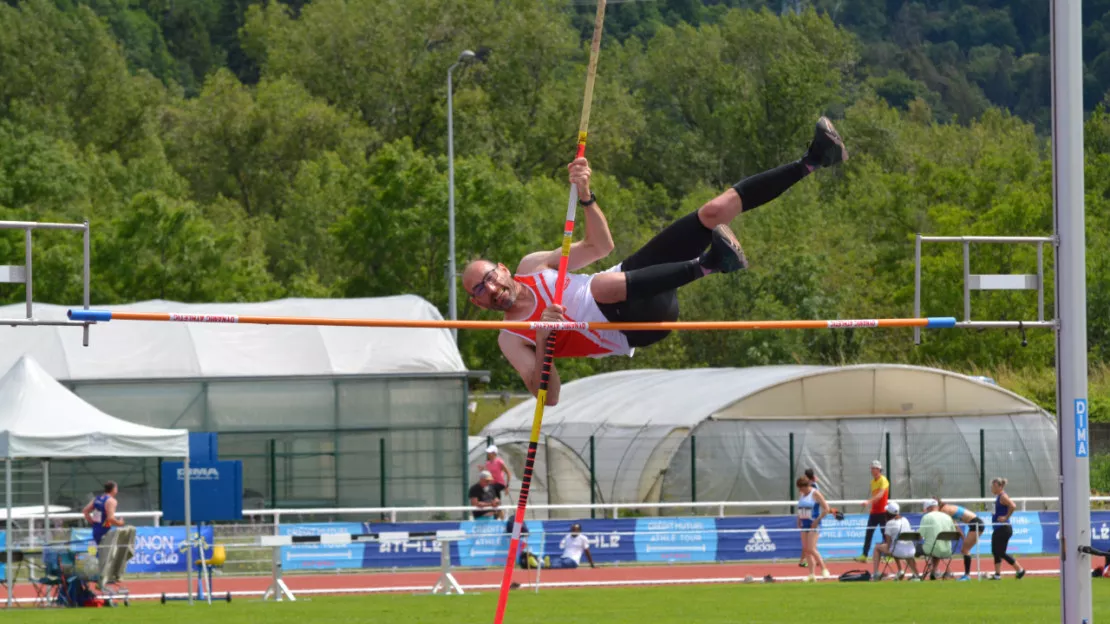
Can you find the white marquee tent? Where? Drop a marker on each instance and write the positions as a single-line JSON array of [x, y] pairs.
[[40, 418], [135, 350], [740, 422]]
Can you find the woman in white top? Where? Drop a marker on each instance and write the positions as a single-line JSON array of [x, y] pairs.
[[812, 508], [901, 551]]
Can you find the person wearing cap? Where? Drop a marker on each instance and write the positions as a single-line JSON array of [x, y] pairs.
[[933, 523], [485, 497], [573, 546], [880, 492], [497, 467], [900, 551]]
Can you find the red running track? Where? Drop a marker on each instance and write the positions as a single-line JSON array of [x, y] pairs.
[[489, 579]]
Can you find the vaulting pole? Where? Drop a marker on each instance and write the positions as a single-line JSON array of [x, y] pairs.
[[549, 345]]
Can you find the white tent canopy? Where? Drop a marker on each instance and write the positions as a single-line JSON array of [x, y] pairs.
[[149, 350], [741, 422], [40, 418]]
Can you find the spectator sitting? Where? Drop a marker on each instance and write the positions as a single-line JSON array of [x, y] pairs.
[[933, 523], [900, 551], [486, 496], [574, 546]]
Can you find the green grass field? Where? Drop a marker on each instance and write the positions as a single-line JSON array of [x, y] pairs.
[[1008, 601]]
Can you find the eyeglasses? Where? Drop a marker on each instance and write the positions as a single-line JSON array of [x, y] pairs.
[[480, 289]]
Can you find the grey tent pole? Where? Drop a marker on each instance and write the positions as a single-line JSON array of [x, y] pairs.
[[189, 528], [45, 503], [8, 528]]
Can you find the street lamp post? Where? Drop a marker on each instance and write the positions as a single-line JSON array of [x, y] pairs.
[[466, 56]]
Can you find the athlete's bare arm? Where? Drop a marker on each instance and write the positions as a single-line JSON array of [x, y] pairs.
[[528, 359], [598, 242]]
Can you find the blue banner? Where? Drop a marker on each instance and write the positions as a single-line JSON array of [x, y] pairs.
[[424, 552], [674, 539], [216, 491], [748, 538], [322, 556], [610, 540], [487, 543], [157, 549], [630, 540]]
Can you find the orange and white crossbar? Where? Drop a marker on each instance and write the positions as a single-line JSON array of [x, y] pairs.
[[101, 316]]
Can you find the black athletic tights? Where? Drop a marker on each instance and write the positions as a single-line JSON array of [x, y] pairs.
[[683, 240], [999, 540]]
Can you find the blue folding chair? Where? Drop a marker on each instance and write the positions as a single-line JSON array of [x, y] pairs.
[[48, 586]]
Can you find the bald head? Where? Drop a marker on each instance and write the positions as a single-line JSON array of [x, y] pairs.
[[489, 285]]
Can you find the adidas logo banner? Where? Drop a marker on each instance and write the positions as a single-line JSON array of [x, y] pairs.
[[760, 538], [760, 542]]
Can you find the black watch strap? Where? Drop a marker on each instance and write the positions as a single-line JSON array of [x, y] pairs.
[[590, 201]]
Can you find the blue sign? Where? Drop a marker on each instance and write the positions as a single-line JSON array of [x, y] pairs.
[[322, 556], [424, 552], [487, 542], [629, 540], [1082, 441], [216, 488], [767, 537], [676, 539], [157, 549], [838, 539], [203, 448], [610, 540]]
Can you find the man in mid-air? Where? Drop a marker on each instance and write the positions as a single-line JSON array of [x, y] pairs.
[[643, 287]]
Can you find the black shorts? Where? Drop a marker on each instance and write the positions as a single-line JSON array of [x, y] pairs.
[[976, 524], [681, 241]]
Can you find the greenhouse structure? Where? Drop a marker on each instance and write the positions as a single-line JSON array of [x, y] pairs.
[[745, 434], [308, 409]]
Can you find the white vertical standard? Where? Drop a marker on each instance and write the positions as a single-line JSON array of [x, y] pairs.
[[189, 529], [1071, 310], [45, 503], [8, 529]]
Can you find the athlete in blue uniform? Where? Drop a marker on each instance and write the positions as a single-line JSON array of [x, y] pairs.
[[812, 508], [100, 513], [1003, 531]]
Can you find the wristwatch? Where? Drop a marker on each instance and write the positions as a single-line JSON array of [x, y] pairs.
[[590, 201]]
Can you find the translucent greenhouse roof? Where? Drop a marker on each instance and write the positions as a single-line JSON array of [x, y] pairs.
[[684, 398], [638, 425], [151, 350]]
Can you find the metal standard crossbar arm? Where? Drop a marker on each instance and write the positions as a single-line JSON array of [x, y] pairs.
[[105, 315], [988, 239], [31, 225]]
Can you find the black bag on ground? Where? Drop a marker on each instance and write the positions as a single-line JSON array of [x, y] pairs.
[[855, 576]]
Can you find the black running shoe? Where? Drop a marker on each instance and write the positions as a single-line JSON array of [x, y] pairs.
[[724, 254], [827, 148], [1020, 574]]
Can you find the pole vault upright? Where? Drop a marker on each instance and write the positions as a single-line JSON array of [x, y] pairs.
[[1071, 310]]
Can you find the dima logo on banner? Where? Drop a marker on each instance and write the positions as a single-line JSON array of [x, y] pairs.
[[199, 474], [760, 542]]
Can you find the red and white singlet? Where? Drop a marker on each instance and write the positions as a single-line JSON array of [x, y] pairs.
[[580, 306]]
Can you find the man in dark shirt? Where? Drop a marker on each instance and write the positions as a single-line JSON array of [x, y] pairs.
[[486, 495]]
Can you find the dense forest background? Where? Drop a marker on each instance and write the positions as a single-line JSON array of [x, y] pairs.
[[234, 150]]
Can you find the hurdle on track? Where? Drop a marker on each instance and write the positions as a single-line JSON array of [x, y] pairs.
[[446, 582]]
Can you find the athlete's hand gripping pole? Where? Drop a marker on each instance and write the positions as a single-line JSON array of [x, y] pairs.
[[549, 345]]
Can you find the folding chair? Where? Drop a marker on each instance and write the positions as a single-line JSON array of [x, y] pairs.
[[911, 537], [944, 536], [48, 586]]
